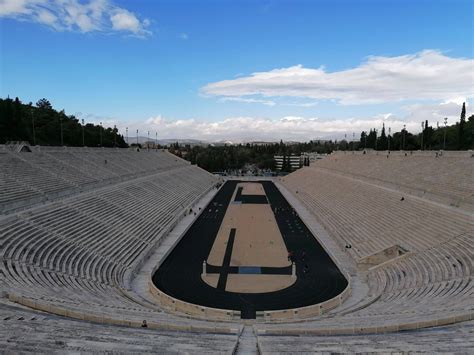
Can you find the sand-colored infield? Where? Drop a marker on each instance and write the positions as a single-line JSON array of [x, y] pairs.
[[258, 242], [211, 279], [252, 188]]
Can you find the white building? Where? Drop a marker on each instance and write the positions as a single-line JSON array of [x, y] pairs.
[[295, 161]]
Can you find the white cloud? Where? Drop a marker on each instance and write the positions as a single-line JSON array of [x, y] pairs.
[[124, 20], [46, 17], [248, 100], [434, 112], [291, 127], [75, 15], [425, 75], [184, 36], [304, 104], [249, 128], [16, 7]]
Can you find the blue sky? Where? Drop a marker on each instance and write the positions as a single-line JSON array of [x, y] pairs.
[[187, 68]]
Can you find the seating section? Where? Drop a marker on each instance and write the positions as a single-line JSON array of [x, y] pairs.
[[447, 178], [76, 225], [430, 284], [428, 288], [370, 218], [76, 255], [26, 332], [45, 174], [456, 339]]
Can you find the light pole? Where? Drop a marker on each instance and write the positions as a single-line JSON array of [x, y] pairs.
[[353, 135], [100, 133], [345, 140], [389, 130], [126, 134], [422, 133], [148, 141], [33, 122], [156, 141], [365, 140], [61, 128], [444, 139], [137, 138], [404, 133], [83, 133], [115, 136], [375, 139]]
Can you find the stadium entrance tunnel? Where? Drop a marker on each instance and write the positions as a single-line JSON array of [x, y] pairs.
[[249, 251]]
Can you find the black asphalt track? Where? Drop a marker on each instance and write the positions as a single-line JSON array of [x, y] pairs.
[[318, 280]]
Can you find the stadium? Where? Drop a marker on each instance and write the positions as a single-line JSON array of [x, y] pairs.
[[95, 241], [236, 177]]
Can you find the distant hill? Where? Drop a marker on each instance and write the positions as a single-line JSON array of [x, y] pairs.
[[141, 140]]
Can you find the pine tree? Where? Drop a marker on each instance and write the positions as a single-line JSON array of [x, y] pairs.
[[363, 139], [462, 123], [371, 139], [45, 104], [383, 138]]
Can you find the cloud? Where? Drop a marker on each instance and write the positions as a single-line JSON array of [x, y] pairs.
[[252, 129], [184, 36], [124, 20], [297, 128], [304, 104], [248, 100], [425, 75], [16, 7], [435, 112], [75, 15]]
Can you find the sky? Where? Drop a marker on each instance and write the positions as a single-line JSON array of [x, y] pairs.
[[242, 70]]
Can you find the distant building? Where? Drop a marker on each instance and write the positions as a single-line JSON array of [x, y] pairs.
[[149, 145], [288, 162]]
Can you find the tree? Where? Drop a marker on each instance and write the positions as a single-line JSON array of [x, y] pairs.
[[383, 142], [371, 139], [44, 104], [16, 123], [462, 123], [363, 139]]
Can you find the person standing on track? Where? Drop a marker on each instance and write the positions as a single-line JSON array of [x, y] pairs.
[[290, 256]]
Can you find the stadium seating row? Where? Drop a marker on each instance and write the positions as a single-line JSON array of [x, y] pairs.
[[23, 331], [44, 174], [76, 255], [447, 178], [370, 218], [430, 284], [457, 339]]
